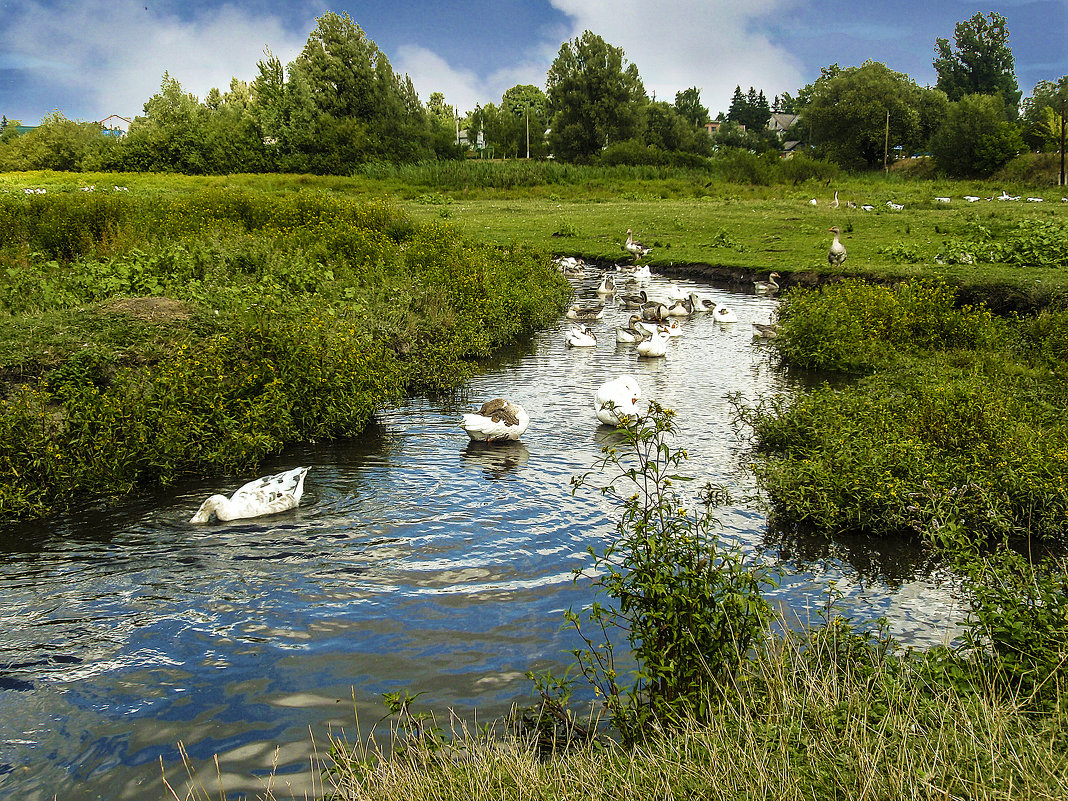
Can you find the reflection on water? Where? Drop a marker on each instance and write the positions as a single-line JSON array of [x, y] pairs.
[[418, 560]]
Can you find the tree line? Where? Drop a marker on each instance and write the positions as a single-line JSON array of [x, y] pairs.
[[340, 105]]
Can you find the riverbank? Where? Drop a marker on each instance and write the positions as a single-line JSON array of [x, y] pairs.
[[148, 335]]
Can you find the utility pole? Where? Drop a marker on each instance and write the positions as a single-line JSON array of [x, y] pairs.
[[528, 130], [886, 143], [1062, 142]]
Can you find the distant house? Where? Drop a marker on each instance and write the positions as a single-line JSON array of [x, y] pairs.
[[780, 122], [712, 126], [115, 125]]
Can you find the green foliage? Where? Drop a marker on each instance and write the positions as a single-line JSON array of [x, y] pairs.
[[690, 607], [980, 62], [302, 314], [1030, 244], [975, 139], [956, 435], [1019, 621], [594, 98], [847, 113], [855, 326]]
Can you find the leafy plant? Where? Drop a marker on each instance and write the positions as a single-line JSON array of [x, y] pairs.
[[690, 607]]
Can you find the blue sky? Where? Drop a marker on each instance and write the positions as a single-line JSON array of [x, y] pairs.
[[92, 58]]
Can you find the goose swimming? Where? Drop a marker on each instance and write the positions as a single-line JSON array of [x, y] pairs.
[[264, 496], [655, 346], [580, 336], [498, 420], [767, 287], [616, 397]]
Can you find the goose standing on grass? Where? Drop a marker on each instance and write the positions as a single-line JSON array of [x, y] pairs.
[[633, 246], [615, 397], [834, 203], [769, 287], [264, 496], [837, 254], [498, 420]]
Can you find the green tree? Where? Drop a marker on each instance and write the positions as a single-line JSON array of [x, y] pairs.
[[530, 107], [688, 106], [750, 109], [1041, 114], [170, 135], [975, 139], [847, 112], [595, 98], [980, 62], [56, 144]]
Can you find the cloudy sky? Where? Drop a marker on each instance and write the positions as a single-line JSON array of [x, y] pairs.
[[92, 58]]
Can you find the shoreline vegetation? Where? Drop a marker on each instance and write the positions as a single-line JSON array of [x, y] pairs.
[[159, 325]]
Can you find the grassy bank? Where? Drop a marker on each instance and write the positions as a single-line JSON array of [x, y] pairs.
[[148, 334]]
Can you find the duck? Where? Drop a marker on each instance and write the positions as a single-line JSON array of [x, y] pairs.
[[639, 273], [655, 346], [581, 336], [264, 496], [633, 246], [942, 200], [680, 308], [723, 314], [634, 300], [837, 254], [585, 312], [834, 203], [765, 330], [768, 287], [498, 420], [701, 304], [654, 311], [867, 207], [632, 332], [607, 285], [895, 206], [972, 198], [617, 396]]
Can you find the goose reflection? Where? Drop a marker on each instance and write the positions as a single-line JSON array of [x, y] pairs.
[[496, 460]]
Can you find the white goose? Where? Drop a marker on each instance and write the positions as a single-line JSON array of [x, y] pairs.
[[498, 420], [655, 346], [581, 336], [768, 287], [723, 314], [837, 254], [615, 397], [680, 308], [264, 496]]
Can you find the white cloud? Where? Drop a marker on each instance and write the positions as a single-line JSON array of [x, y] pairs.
[[712, 44], [463, 89], [114, 52]]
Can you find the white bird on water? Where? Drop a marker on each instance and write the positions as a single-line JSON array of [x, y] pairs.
[[615, 397], [498, 420], [581, 336], [264, 496]]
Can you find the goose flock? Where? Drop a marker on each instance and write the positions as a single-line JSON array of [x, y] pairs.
[[890, 204]]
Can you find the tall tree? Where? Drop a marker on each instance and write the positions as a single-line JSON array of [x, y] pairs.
[[1041, 114], [688, 106], [530, 107], [847, 114], [975, 139], [980, 62], [595, 98], [750, 109]]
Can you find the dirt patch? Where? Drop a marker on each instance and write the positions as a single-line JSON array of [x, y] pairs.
[[152, 310]]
